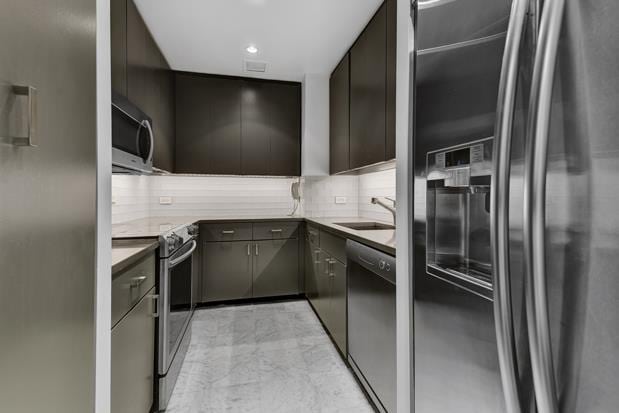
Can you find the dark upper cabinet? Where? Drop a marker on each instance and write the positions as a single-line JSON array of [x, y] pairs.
[[362, 96], [208, 125], [271, 128], [368, 93], [339, 121], [141, 73], [391, 70], [118, 31], [227, 125]]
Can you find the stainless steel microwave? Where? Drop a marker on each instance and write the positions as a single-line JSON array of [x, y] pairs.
[[133, 141]]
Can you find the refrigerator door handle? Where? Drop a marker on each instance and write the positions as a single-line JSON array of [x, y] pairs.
[[535, 206], [499, 207]]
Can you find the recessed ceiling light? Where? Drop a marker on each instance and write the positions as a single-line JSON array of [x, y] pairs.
[[251, 49]]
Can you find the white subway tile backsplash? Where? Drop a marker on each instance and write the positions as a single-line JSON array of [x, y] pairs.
[[139, 196]]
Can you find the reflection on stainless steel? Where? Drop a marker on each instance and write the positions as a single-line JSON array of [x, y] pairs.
[[535, 206], [499, 207]]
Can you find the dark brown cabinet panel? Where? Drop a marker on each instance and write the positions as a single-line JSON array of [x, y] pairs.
[[271, 128], [208, 125], [118, 31], [368, 93], [276, 266], [391, 6], [339, 121], [150, 85], [227, 270]]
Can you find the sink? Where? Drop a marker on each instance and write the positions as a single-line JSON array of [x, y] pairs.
[[365, 226]]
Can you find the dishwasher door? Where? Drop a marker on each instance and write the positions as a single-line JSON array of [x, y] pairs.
[[372, 322]]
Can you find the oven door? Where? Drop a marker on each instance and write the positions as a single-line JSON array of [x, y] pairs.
[[177, 304]]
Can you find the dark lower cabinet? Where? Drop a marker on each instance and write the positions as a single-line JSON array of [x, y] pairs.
[[227, 270], [233, 270], [133, 356], [275, 270], [208, 125], [325, 285]]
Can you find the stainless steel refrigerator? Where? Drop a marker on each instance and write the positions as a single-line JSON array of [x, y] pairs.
[[516, 225], [47, 205]]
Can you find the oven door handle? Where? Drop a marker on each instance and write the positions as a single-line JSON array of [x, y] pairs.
[[174, 263]]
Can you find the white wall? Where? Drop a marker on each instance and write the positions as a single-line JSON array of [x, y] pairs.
[[377, 184], [315, 124]]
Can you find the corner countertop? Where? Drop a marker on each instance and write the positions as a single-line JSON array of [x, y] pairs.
[[127, 251], [153, 227]]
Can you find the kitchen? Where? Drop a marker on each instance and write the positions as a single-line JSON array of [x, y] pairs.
[[263, 169]]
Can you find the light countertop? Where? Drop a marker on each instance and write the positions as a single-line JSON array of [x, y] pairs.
[[127, 251]]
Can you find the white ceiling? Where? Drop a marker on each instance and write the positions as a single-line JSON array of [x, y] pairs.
[[294, 37]]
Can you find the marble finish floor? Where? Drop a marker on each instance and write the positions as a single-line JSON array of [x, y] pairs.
[[273, 357]]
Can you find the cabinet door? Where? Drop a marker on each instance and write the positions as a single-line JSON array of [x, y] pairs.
[[339, 111], [323, 287], [312, 261], [208, 124], [118, 31], [271, 128], [133, 358], [226, 271], [390, 86], [367, 93], [337, 310], [276, 267]]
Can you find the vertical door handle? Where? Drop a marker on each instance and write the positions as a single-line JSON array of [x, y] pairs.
[[31, 138], [540, 104], [256, 248], [317, 260], [248, 249], [499, 207], [155, 298]]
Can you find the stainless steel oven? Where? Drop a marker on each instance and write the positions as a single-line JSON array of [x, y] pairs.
[[132, 137], [177, 262]]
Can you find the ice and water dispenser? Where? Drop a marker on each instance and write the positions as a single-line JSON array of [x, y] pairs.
[[458, 215]]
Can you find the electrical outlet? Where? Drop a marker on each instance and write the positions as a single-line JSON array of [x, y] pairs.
[[165, 200], [340, 199]]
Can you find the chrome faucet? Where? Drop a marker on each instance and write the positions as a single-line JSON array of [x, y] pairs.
[[389, 208]]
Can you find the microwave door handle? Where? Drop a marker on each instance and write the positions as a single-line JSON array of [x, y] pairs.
[[175, 262], [151, 135], [534, 211], [499, 207]]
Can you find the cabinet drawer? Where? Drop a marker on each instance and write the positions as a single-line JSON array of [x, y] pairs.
[[234, 231], [131, 285], [276, 230], [334, 245]]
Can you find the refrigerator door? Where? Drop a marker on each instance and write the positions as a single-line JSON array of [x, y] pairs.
[[47, 205], [575, 224], [458, 65]]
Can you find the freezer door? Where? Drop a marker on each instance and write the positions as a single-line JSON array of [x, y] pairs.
[[580, 236], [47, 205]]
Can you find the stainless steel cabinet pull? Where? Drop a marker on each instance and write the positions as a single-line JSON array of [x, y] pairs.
[[248, 249], [276, 230], [137, 281], [317, 260], [499, 207], [331, 271], [155, 298], [540, 104], [227, 231], [31, 139], [256, 249]]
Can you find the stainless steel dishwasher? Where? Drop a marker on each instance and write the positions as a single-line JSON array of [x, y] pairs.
[[371, 322]]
